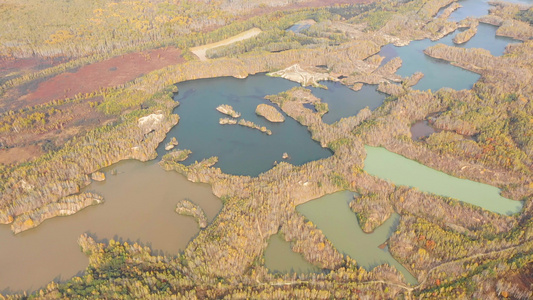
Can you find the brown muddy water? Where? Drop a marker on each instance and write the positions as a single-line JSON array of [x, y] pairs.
[[421, 129], [139, 207]]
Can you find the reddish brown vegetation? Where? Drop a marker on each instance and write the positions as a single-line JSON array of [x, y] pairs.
[[71, 119], [23, 65], [108, 73]]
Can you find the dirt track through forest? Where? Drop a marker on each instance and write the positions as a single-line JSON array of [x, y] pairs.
[[200, 51]]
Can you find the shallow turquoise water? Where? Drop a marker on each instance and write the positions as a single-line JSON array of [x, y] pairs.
[[333, 216], [402, 171]]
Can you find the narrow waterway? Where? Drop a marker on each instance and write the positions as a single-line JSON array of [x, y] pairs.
[[438, 73]]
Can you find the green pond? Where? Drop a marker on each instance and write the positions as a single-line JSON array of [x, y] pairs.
[[333, 216], [402, 171], [279, 257]]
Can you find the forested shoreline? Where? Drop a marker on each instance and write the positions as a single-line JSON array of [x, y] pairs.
[[454, 249]]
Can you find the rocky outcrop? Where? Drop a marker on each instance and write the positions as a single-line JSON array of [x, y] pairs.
[[227, 121], [228, 110], [170, 145], [187, 208], [270, 113], [150, 122], [304, 77], [98, 176]]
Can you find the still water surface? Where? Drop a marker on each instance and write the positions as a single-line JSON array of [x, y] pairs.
[[421, 129], [439, 73], [478, 8], [140, 203], [402, 171], [343, 102], [240, 150], [245, 151], [134, 212], [333, 216], [279, 257]]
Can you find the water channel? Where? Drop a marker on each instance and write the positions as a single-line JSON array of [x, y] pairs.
[[439, 73], [478, 8]]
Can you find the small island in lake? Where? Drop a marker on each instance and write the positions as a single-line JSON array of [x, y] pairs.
[[270, 113]]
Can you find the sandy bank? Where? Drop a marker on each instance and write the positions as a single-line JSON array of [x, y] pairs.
[[201, 50]]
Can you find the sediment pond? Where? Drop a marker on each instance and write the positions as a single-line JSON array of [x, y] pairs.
[[333, 216], [421, 129], [279, 257], [402, 171], [132, 212]]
